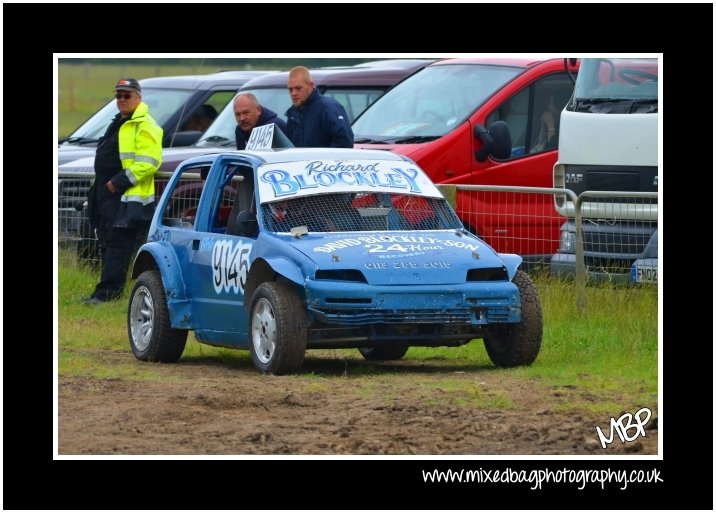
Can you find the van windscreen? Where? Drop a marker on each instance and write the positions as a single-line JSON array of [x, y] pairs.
[[432, 102]]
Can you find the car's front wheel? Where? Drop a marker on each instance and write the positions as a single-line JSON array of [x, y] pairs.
[[151, 336], [510, 345], [278, 332]]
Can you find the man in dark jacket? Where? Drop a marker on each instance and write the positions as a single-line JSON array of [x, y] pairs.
[[249, 114], [315, 121]]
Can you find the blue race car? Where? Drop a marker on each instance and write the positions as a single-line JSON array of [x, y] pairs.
[[280, 251]]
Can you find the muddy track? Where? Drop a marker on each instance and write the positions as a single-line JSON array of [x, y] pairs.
[[205, 407]]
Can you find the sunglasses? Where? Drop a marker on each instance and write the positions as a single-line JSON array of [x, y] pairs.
[[126, 96]]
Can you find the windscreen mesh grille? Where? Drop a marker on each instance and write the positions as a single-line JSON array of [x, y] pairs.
[[359, 212]]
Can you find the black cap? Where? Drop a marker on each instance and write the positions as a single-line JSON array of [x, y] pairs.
[[128, 84]]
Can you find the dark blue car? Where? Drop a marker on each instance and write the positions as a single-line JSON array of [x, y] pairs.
[[286, 250]]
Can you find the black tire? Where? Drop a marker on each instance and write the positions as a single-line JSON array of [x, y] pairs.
[[510, 345], [277, 329], [383, 353], [151, 336]]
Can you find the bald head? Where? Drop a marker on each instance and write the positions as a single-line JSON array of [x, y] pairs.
[[247, 111], [300, 85]]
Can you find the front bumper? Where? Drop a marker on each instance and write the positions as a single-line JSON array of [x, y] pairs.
[[359, 304]]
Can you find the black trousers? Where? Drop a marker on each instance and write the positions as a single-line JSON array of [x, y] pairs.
[[116, 246]]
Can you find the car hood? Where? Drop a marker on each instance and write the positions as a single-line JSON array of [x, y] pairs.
[[68, 153], [401, 258], [85, 165], [171, 158], [401, 149]]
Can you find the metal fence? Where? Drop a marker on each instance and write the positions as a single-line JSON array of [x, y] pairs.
[[75, 234], [605, 236]]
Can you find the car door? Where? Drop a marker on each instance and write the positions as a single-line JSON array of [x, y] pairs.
[[526, 224], [218, 261]]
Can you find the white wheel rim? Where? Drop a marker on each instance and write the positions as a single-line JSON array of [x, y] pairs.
[[142, 318], [263, 331]]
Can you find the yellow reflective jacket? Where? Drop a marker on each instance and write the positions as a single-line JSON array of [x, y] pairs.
[[140, 150]]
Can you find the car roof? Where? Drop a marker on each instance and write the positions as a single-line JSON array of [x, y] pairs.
[[284, 155], [412, 64], [522, 62], [380, 74], [202, 81]]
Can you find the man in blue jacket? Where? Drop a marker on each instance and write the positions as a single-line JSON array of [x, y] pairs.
[[249, 114], [315, 121]]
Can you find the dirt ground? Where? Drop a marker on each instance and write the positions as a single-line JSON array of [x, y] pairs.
[[205, 407]]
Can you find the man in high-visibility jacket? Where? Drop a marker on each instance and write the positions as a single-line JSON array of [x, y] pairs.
[[121, 201]]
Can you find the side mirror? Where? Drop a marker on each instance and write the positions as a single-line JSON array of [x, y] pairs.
[[247, 223], [496, 141]]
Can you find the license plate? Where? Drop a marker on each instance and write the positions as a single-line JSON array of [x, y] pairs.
[[644, 273]]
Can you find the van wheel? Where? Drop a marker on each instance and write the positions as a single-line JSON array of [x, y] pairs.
[[383, 353], [510, 345], [151, 336], [277, 331]]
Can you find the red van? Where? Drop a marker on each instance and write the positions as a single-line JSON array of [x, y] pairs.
[[482, 121]]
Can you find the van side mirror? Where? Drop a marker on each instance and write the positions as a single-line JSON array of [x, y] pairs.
[[496, 141]]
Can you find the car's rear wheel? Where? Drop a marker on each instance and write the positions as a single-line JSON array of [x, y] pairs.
[[151, 336], [383, 353], [278, 334], [510, 345]]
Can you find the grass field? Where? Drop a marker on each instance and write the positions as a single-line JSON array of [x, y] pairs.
[[611, 347]]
